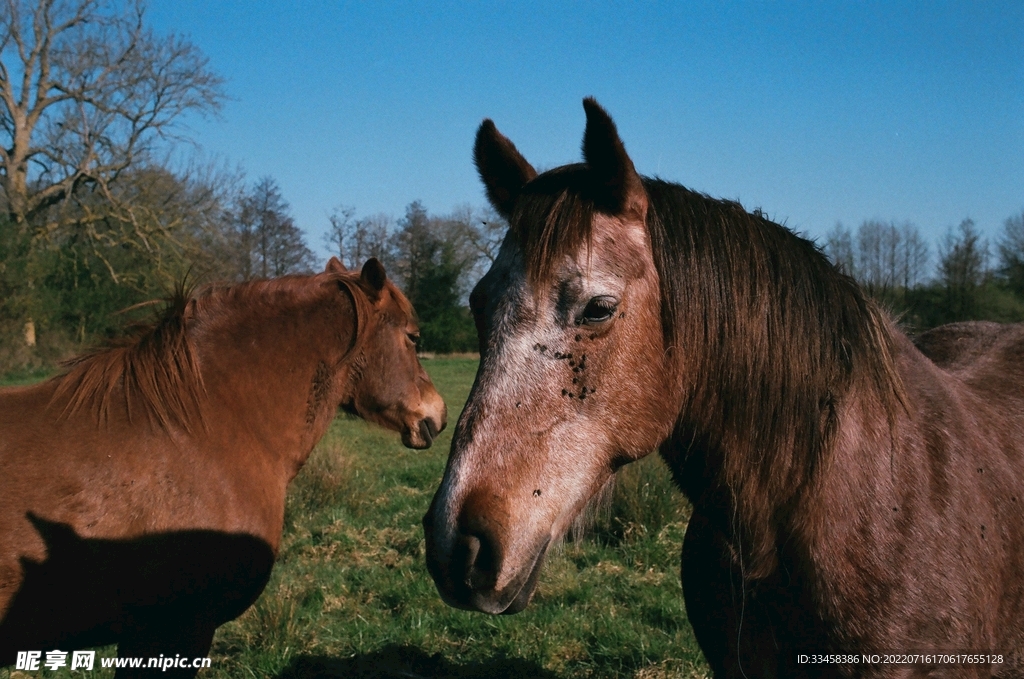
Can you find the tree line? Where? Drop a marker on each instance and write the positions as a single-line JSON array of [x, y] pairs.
[[99, 214], [970, 280]]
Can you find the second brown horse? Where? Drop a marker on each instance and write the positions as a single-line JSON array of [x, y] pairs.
[[142, 493]]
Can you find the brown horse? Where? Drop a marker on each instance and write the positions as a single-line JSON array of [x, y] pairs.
[[850, 494], [142, 493]]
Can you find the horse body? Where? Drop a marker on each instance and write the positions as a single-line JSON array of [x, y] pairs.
[[143, 492], [851, 494], [899, 545]]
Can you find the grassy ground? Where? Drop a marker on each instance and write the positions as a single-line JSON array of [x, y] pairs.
[[350, 595]]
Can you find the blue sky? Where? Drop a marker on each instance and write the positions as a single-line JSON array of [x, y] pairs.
[[815, 112]]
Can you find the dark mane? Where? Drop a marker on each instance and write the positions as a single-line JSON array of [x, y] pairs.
[[154, 369], [752, 308]]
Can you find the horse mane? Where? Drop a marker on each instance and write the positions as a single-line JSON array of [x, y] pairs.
[[154, 368], [770, 335]]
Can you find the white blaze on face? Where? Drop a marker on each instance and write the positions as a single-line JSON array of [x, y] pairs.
[[522, 438]]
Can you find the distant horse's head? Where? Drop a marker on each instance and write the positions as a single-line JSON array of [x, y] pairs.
[[572, 359], [388, 384]]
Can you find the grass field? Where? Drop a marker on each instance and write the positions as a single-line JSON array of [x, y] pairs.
[[350, 595]]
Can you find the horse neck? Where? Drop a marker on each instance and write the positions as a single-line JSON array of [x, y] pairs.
[[778, 343], [270, 369]]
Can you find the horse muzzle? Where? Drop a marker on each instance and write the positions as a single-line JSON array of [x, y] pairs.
[[467, 567], [422, 434]]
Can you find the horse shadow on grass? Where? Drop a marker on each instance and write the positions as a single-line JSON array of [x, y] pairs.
[[408, 662], [156, 593]]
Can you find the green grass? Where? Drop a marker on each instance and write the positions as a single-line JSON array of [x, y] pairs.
[[350, 595]]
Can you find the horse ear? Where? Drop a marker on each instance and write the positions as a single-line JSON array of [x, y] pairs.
[[605, 155], [373, 274], [334, 265], [502, 168]]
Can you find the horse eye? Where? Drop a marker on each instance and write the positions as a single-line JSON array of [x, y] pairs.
[[598, 310], [414, 337]]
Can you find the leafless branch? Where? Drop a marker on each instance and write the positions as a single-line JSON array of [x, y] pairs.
[[88, 92]]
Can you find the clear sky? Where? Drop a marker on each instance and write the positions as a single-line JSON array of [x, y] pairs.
[[816, 112]]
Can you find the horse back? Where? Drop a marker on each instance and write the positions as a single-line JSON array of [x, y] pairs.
[[974, 346], [973, 418]]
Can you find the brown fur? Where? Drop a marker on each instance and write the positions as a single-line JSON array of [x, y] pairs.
[[142, 492], [850, 493]]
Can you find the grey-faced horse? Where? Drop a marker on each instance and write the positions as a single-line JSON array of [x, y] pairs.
[[850, 494]]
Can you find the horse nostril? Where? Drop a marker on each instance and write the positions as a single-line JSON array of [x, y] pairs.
[[475, 562], [427, 432], [466, 551]]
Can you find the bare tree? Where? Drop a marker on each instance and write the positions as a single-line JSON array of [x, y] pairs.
[[484, 230], [88, 92], [877, 244], [338, 235], [356, 240], [890, 258], [913, 256], [371, 240], [839, 249]]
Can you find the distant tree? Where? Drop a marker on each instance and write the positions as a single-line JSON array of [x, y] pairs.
[[412, 247], [356, 240], [878, 260], [87, 92], [839, 249], [445, 324], [268, 241], [888, 260], [913, 256], [479, 234], [341, 226], [371, 239], [1011, 254], [432, 258], [963, 261], [435, 259]]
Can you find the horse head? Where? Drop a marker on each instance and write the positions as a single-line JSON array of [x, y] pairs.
[[572, 358], [388, 384]]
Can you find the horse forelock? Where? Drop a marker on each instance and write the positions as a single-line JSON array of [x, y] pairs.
[[553, 218]]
